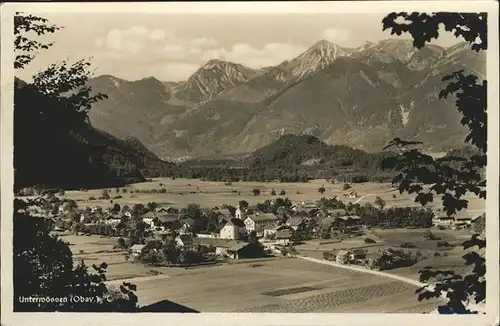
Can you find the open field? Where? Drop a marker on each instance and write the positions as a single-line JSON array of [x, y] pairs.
[[305, 287], [282, 285], [98, 249], [181, 192]]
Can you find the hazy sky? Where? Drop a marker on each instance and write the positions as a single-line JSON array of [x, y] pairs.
[[171, 47]]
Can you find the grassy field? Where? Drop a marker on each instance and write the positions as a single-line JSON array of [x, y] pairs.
[[298, 286], [282, 285], [181, 192], [95, 250]]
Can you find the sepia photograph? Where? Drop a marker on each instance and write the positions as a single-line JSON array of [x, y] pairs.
[[321, 158]]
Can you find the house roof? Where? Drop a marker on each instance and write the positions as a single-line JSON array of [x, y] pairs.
[[342, 252], [238, 246], [188, 221], [328, 220], [137, 247], [224, 211], [149, 215], [477, 217], [464, 218], [283, 234], [359, 251], [236, 222], [168, 218], [295, 221], [263, 217], [214, 242], [166, 306], [113, 217], [185, 238], [283, 227], [445, 218], [336, 211]]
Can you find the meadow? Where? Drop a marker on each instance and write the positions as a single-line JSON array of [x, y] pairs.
[[181, 192], [285, 285]]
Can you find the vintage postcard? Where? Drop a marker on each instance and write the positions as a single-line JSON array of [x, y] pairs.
[[250, 163]]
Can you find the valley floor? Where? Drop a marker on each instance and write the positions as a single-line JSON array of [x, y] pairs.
[[181, 192]]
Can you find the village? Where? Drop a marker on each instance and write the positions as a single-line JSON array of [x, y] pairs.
[[158, 235]]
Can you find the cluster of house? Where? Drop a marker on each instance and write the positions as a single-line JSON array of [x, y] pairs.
[[454, 222], [230, 240], [348, 256], [380, 260]]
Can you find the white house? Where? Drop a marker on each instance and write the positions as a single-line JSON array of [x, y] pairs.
[[259, 222], [443, 220], [283, 236], [96, 209], [137, 249], [233, 229], [148, 218], [112, 219]]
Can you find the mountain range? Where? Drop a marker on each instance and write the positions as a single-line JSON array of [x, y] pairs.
[[361, 97]]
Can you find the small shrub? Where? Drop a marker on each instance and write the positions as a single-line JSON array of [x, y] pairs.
[[430, 236], [445, 254], [369, 240], [82, 251], [91, 198], [117, 197], [437, 254], [407, 245], [105, 194], [443, 244]]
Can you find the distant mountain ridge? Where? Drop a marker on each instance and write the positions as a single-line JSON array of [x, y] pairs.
[[360, 97]]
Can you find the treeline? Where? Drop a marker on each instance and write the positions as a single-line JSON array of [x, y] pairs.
[[293, 174], [293, 159]]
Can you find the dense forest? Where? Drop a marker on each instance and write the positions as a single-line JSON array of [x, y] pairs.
[[57, 147], [294, 158]]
